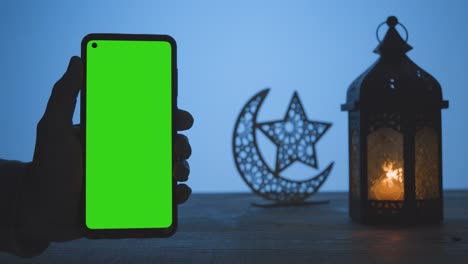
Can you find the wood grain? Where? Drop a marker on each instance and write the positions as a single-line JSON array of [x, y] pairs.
[[225, 228]]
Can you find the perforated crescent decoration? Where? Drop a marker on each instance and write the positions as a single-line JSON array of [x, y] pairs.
[[295, 137]]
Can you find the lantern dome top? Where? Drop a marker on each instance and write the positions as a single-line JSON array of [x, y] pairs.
[[392, 42], [394, 80]]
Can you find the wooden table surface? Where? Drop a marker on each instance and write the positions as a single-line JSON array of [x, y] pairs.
[[226, 228]]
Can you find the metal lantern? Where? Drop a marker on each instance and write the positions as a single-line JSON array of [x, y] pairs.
[[395, 148]]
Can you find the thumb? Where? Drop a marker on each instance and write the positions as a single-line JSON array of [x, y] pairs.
[[62, 101]]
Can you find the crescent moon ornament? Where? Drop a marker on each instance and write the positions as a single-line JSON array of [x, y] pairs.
[[295, 137]]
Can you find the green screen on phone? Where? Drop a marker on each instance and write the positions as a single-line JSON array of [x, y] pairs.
[[128, 134]]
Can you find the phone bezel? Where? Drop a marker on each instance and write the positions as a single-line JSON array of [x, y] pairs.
[[140, 232]]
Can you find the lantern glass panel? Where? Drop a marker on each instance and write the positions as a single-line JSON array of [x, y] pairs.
[[427, 163], [385, 167]]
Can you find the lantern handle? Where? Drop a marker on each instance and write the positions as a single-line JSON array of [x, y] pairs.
[[391, 22]]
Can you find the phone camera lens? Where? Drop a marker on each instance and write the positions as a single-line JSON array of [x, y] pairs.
[[94, 45]]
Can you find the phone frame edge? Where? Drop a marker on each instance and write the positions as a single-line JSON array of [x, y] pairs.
[[127, 233]]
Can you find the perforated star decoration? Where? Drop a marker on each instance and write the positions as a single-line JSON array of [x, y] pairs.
[[295, 136]]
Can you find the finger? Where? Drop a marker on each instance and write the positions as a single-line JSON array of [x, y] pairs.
[[182, 149], [63, 98], [184, 120], [182, 193], [181, 171]]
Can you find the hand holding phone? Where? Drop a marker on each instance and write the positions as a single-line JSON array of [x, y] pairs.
[[49, 193]]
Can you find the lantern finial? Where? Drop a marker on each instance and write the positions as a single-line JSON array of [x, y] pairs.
[[392, 21], [392, 44]]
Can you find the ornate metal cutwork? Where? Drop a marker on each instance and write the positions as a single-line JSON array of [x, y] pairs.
[[295, 137], [381, 120]]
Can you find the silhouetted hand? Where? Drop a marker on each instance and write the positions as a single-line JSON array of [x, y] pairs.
[[49, 201]]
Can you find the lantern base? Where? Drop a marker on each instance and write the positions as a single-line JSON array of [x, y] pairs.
[[397, 212]]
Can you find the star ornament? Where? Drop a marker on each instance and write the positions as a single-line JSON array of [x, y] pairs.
[[295, 136]]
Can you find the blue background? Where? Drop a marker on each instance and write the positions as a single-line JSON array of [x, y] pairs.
[[228, 51]]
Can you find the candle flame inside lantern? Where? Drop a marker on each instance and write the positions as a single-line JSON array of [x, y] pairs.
[[390, 186]]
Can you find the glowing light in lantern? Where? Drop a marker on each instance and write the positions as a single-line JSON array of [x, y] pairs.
[[390, 186]]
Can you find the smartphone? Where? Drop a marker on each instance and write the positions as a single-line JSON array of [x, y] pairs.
[[127, 109]]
